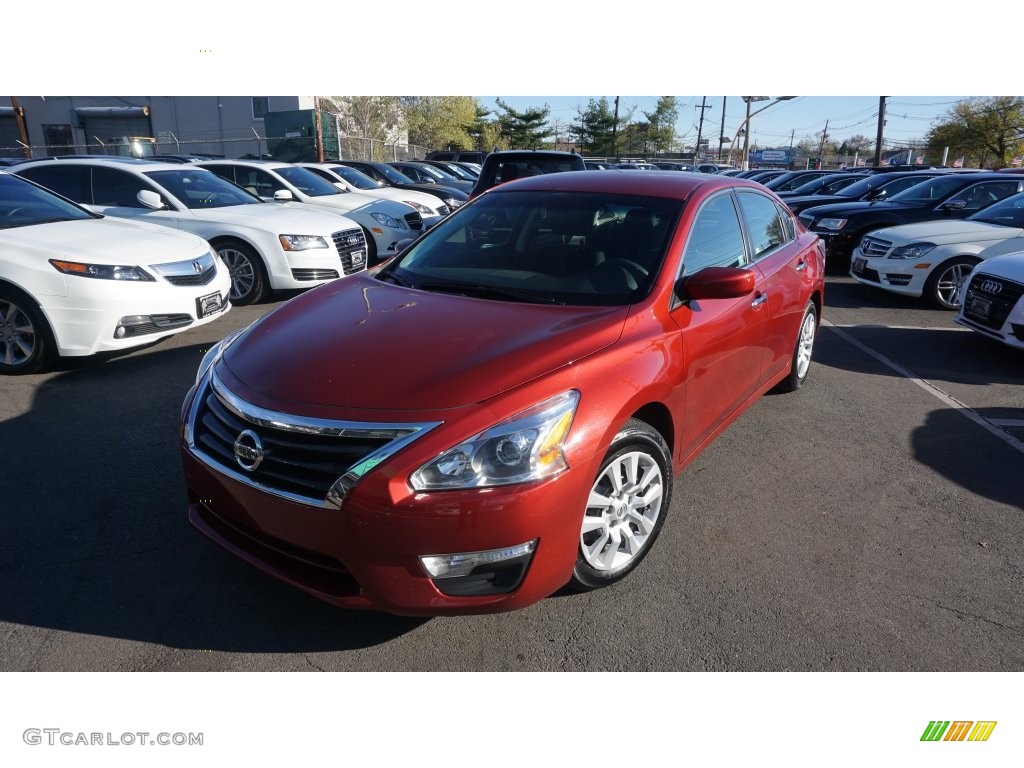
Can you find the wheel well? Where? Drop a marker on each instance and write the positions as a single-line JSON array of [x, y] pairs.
[[18, 289], [225, 239], [658, 416], [816, 298]]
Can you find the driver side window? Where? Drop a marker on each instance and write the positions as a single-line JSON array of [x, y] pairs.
[[715, 238]]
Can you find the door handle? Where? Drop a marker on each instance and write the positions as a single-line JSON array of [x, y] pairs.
[[801, 266], [760, 299]]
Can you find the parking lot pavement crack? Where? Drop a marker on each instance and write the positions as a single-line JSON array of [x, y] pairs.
[[967, 615], [314, 666]]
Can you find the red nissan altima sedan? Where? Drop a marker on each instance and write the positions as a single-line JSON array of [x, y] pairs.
[[499, 411]]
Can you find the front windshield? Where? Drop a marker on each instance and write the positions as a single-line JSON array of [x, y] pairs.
[[591, 249], [393, 175], [860, 188], [197, 188], [23, 204], [307, 182], [1006, 213], [357, 179], [460, 173], [436, 173], [931, 191]]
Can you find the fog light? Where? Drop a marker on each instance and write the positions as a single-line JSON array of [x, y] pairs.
[[491, 572], [119, 332]]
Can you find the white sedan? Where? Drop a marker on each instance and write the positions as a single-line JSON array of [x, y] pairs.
[[385, 222], [265, 246], [430, 207], [933, 258], [994, 299], [73, 283]]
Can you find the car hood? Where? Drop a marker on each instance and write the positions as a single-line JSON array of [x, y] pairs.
[[946, 232], [362, 344], [106, 241], [279, 218], [852, 208], [1009, 265], [353, 202], [431, 189]]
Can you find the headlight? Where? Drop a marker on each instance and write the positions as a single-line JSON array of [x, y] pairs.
[[420, 209], [912, 251], [522, 449], [301, 242], [387, 221], [214, 353], [452, 203], [833, 224], [102, 271]]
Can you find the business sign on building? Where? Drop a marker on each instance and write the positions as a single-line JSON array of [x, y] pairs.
[[777, 156]]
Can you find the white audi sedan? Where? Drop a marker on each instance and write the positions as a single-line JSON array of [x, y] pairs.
[[933, 258], [74, 283], [994, 299], [265, 246]]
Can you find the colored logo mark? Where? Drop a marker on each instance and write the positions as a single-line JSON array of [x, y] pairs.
[[958, 730]]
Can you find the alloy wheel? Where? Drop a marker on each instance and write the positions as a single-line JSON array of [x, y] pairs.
[[17, 334]]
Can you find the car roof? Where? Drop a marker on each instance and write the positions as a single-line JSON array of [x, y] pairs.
[[107, 162], [651, 183]]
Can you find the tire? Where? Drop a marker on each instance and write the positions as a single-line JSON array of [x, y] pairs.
[[616, 536], [802, 352], [944, 288], [249, 283], [26, 341]]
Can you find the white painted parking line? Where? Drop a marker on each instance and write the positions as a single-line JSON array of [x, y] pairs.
[[989, 425], [873, 326]]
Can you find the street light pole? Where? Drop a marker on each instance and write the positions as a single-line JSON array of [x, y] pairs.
[[746, 123]]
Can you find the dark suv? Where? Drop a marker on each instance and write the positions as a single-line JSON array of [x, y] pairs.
[[461, 155], [500, 167]]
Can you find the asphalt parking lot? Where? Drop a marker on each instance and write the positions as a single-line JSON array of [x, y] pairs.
[[871, 521]]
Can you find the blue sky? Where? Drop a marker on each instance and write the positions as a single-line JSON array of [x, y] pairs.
[[907, 117]]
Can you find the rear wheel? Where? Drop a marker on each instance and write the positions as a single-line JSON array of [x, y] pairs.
[[248, 276], [626, 508], [26, 343], [801, 363], [945, 286]]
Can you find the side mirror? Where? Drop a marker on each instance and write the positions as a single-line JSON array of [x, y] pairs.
[[954, 205], [151, 200], [427, 180], [283, 195], [341, 186], [401, 245], [878, 194], [716, 283]]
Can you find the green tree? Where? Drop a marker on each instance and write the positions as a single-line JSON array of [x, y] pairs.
[[661, 130], [369, 117], [986, 131], [524, 129], [439, 122], [592, 128]]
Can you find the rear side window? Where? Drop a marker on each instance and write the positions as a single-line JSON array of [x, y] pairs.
[[71, 181], [764, 225], [115, 188], [715, 237]]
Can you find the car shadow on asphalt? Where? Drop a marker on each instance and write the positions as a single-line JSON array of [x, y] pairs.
[[94, 538], [849, 294], [973, 459], [936, 354]]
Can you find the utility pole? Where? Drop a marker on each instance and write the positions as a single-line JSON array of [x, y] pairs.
[[881, 125], [792, 135], [821, 146], [19, 117], [721, 131], [700, 125], [615, 131]]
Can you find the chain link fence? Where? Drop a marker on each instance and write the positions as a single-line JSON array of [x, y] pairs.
[[283, 148]]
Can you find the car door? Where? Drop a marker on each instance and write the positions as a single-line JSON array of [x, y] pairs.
[[723, 340], [787, 268]]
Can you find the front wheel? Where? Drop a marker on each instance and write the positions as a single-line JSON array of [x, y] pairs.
[[249, 282], [626, 508], [945, 286], [26, 344], [801, 363]]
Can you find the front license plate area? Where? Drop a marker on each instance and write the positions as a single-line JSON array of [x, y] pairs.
[[208, 305]]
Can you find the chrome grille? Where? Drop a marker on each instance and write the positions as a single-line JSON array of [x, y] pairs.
[[874, 246], [310, 461], [189, 273], [351, 245], [442, 209], [202, 278], [414, 220], [1000, 294]]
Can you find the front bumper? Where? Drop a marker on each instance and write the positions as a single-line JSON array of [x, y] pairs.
[[367, 553], [903, 276], [85, 321]]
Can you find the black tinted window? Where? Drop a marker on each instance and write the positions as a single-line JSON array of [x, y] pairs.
[[116, 188], [983, 195], [71, 181], [715, 237]]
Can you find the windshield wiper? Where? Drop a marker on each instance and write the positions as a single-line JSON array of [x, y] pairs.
[[489, 292], [391, 277]]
